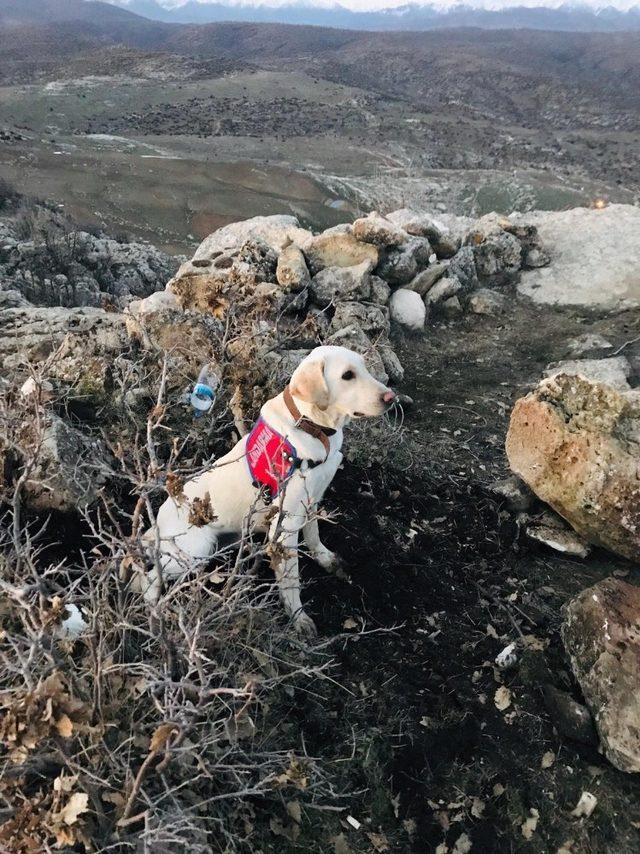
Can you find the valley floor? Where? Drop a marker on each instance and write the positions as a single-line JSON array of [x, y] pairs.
[[170, 160]]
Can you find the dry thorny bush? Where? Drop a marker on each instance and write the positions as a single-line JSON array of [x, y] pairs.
[[155, 728]]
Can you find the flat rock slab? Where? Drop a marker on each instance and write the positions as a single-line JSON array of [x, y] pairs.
[[614, 371], [601, 634], [595, 257]]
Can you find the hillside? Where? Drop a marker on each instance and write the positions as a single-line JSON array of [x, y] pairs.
[[516, 75], [35, 34], [396, 62], [15, 12], [505, 71], [509, 72]]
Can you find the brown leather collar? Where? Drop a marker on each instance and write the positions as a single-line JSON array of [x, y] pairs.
[[302, 423]]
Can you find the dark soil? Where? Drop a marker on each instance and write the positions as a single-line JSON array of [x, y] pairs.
[[439, 582]]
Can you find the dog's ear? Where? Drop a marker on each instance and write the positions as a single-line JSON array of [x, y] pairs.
[[308, 383]]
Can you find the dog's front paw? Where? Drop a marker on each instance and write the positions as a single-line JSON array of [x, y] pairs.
[[327, 560], [304, 625], [331, 562]]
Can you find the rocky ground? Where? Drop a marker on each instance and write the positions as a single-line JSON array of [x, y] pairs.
[[462, 710], [50, 260]]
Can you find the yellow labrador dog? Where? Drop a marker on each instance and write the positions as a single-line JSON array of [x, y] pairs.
[[288, 460]]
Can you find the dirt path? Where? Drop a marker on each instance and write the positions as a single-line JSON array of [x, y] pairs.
[[430, 552]]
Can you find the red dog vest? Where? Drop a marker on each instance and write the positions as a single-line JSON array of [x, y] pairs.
[[271, 458]]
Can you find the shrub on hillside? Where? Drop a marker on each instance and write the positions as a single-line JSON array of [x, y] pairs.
[[58, 262], [164, 726], [8, 193]]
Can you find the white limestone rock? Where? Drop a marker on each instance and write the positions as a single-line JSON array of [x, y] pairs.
[[408, 309]]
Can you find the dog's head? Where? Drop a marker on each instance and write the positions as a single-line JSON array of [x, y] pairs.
[[336, 380]]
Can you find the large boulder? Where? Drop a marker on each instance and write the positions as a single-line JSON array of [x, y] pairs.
[[291, 270], [576, 443], [445, 246], [498, 257], [601, 634], [451, 308], [499, 246], [417, 223], [159, 301], [486, 226], [189, 339], [595, 257], [126, 269], [276, 231], [333, 284], [338, 249], [535, 257], [104, 364], [369, 317], [11, 298], [63, 265], [378, 230], [534, 253], [203, 293], [246, 272], [463, 267], [486, 301], [425, 280], [614, 371], [444, 289], [380, 290], [588, 342], [399, 265], [79, 344], [74, 268]]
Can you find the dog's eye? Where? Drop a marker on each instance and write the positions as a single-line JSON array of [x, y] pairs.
[[348, 375]]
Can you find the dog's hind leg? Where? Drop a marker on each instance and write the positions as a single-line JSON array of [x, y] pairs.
[[176, 545], [171, 566], [177, 558]]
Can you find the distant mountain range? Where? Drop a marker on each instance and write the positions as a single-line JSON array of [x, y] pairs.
[[566, 17]]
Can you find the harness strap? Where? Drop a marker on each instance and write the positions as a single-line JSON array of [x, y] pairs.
[[305, 424]]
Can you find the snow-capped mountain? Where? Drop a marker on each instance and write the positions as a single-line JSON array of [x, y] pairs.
[[489, 14]]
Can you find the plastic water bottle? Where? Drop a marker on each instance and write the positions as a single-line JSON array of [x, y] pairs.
[[204, 391]]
